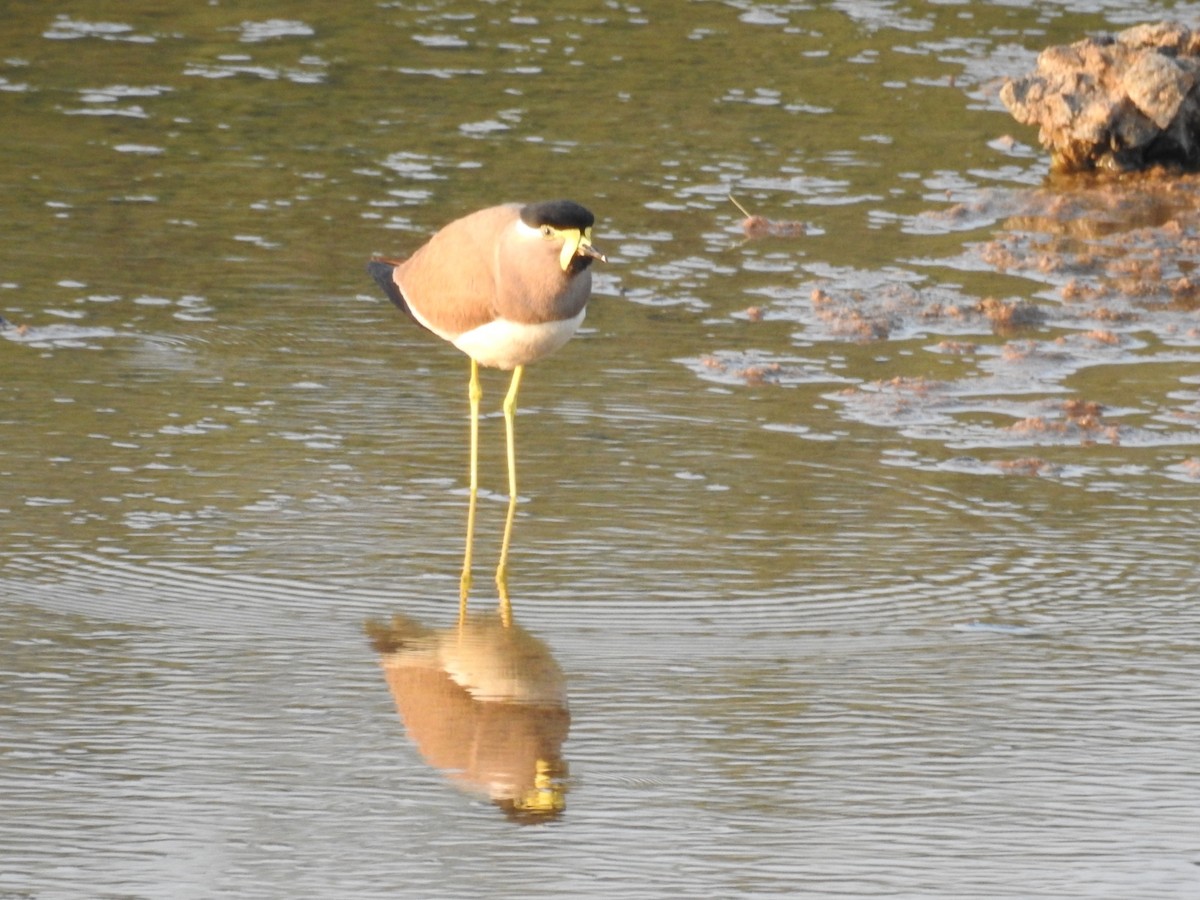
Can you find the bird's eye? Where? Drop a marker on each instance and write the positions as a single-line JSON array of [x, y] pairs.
[[547, 231]]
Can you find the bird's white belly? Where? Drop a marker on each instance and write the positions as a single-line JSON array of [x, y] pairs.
[[505, 345]]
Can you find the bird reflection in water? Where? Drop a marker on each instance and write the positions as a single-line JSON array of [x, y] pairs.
[[485, 702]]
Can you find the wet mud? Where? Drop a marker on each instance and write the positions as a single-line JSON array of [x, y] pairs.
[[1112, 262]]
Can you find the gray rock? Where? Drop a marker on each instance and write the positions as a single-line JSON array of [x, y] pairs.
[[1119, 102]]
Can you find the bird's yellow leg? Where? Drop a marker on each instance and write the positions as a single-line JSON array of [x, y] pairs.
[[510, 411], [474, 394]]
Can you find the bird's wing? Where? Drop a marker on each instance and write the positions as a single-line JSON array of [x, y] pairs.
[[451, 281]]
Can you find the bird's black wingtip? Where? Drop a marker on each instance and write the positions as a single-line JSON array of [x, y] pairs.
[[381, 270]]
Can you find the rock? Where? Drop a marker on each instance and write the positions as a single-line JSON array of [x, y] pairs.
[[1157, 87], [1119, 102]]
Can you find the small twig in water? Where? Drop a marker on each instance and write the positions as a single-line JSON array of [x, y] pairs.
[[760, 226]]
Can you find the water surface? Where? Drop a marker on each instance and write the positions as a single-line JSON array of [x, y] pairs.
[[866, 555]]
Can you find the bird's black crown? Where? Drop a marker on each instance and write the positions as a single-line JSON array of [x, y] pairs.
[[557, 214]]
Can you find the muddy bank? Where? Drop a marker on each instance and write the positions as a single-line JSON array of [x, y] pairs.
[[1017, 380]]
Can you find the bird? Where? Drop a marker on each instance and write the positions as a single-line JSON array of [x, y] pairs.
[[506, 285]]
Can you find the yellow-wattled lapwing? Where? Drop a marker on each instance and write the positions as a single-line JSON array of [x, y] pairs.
[[506, 285]]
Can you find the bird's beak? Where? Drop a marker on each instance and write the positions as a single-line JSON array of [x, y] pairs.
[[579, 243], [586, 249]]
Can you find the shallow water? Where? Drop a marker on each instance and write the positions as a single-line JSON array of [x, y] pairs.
[[865, 555]]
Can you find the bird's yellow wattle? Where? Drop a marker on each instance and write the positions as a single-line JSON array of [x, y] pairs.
[[572, 238], [547, 793]]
